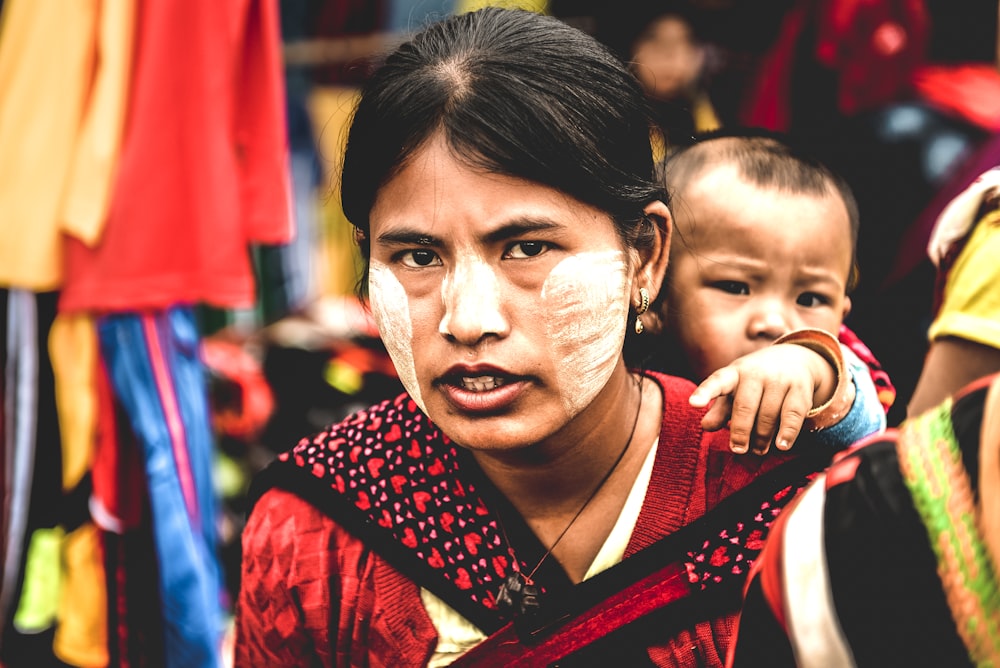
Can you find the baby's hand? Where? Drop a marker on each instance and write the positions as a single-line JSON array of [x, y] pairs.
[[766, 396]]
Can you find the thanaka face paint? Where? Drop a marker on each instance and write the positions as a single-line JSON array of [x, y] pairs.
[[391, 309], [488, 290], [588, 296], [471, 298]]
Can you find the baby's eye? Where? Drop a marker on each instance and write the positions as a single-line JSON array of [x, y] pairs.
[[812, 300], [526, 249], [416, 259], [732, 287]]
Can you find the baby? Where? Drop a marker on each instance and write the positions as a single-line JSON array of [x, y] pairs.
[[763, 244]]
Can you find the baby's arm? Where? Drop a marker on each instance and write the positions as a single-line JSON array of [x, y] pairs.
[[867, 414], [807, 379]]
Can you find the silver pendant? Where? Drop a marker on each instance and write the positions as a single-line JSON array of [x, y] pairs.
[[518, 596]]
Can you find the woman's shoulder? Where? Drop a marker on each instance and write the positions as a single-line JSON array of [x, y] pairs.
[[385, 441], [358, 439], [357, 469], [676, 390], [281, 534], [282, 518]]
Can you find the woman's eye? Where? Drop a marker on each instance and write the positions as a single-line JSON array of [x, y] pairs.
[[812, 300], [526, 249], [419, 258], [732, 287]]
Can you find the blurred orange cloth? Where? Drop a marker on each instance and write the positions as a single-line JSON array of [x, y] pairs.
[[73, 351], [64, 71], [81, 638], [81, 635]]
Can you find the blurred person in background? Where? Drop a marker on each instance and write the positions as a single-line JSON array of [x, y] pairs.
[[672, 63]]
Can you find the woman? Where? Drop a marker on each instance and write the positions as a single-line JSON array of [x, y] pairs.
[[499, 175]]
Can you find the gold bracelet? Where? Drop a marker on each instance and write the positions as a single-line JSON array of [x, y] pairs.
[[826, 346]]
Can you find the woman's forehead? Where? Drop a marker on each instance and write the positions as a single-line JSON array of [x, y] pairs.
[[440, 195]]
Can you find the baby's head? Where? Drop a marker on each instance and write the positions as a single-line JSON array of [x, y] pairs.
[[764, 244]]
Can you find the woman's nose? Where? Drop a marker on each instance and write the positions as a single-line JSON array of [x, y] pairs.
[[472, 303]]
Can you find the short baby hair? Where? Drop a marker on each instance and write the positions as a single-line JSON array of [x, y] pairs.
[[767, 160]]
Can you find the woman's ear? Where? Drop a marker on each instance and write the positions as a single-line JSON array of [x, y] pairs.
[[654, 259]]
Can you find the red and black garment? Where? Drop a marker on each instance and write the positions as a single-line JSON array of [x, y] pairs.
[[390, 477]]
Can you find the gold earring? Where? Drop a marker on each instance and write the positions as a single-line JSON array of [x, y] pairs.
[[642, 308], [643, 301]]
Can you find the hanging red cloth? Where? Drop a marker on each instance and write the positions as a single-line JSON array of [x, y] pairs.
[[204, 164], [872, 46], [969, 90]]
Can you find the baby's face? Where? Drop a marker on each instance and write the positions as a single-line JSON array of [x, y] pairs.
[[750, 264]]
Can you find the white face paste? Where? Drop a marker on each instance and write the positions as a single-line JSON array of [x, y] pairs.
[[391, 309], [471, 298], [587, 299]]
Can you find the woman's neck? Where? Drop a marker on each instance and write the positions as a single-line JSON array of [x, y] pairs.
[[550, 483]]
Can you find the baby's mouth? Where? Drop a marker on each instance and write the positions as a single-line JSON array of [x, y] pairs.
[[481, 383]]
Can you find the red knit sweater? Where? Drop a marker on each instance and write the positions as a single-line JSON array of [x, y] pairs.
[[314, 594]]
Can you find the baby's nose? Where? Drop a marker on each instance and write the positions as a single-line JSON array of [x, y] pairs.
[[770, 321]]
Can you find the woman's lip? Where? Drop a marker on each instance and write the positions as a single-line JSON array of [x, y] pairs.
[[474, 370], [488, 401]]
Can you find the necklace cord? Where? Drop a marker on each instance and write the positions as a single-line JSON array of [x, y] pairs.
[[597, 488]]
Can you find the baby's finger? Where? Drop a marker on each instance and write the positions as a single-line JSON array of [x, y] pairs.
[[797, 403], [717, 416], [746, 406], [769, 416], [721, 382]]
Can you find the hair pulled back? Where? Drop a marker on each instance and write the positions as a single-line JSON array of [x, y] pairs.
[[511, 92]]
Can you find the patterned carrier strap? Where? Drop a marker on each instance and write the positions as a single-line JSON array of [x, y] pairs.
[[931, 464]]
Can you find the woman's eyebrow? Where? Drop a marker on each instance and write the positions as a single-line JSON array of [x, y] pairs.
[[406, 237], [509, 230], [521, 226]]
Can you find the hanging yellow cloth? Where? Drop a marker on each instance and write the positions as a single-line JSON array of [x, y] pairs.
[[81, 638], [64, 70], [340, 266], [81, 635], [95, 157], [73, 352], [540, 6]]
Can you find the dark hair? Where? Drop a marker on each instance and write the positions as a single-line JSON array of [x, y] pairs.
[[512, 92], [768, 160]]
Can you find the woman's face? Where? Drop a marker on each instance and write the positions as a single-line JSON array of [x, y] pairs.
[[503, 303]]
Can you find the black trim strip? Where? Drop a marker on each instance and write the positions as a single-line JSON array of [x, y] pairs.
[[560, 605]]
